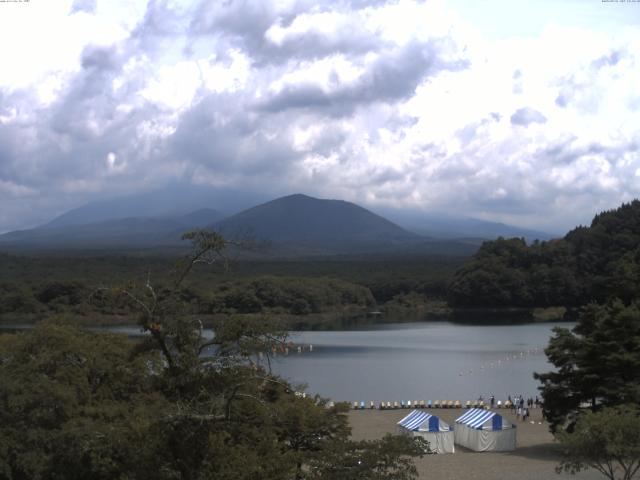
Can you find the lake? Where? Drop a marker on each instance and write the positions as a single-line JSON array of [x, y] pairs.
[[434, 360], [412, 361]]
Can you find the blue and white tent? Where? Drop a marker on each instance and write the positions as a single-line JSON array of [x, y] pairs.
[[429, 427], [485, 431]]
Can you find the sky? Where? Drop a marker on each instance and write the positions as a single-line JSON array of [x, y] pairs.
[[522, 112]]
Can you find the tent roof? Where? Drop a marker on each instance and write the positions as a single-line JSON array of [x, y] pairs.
[[477, 417], [417, 418]]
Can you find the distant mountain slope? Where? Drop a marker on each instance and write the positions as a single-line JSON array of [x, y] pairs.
[[450, 226], [198, 219], [171, 201], [302, 221], [296, 225], [119, 233], [181, 198]]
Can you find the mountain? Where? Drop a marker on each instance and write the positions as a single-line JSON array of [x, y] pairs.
[[292, 225], [109, 234], [172, 201], [310, 223], [451, 226], [180, 199], [199, 219]]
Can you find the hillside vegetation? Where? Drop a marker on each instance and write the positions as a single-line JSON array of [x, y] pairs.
[[36, 287], [593, 263]]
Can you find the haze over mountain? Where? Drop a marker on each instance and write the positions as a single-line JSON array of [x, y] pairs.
[[295, 224], [449, 226], [132, 232], [180, 199], [172, 201]]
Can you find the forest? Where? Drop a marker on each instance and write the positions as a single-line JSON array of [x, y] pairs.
[[34, 287], [589, 264]]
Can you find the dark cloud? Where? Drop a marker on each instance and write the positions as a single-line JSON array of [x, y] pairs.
[[245, 24], [88, 6], [100, 57], [610, 59], [526, 116], [394, 76], [212, 135], [562, 100], [560, 151]]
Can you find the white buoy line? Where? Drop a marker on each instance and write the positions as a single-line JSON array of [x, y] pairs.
[[538, 350]]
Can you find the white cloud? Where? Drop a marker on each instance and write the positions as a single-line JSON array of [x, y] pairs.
[[403, 103]]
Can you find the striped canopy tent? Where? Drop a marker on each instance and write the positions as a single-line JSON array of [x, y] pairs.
[[485, 431], [429, 427]]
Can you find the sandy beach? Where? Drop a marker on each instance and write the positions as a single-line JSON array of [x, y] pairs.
[[535, 457]]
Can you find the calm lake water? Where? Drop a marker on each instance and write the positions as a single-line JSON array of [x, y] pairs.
[[435, 360], [412, 361]]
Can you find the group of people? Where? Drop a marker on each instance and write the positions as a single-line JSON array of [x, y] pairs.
[[519, 404], [523, 406]]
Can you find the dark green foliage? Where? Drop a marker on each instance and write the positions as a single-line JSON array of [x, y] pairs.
[[588, 264], [366, 460], [68, 293], [36, 287], [607, 441], [72, 404], [597, 363], [177, 405], [16, 299], [290, 295]]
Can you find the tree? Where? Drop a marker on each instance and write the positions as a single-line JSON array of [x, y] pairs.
[[180, 404], [608, 441], [597, 363], [386, 459], [74, 404]]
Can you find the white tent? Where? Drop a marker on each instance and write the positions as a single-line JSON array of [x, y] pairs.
[[484, 431], [430, 428]]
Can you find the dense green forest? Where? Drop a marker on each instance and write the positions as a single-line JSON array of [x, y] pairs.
[[36, 287], [590, 264]]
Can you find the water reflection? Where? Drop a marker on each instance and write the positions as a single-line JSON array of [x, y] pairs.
[[436, 360]]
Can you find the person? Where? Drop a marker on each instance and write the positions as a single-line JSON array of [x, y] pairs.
[[519, 412], [493, 400]]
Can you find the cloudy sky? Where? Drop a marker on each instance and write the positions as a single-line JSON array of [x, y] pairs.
[[522, 112]]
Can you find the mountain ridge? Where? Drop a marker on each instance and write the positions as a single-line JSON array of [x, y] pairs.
[[295, 224], [300, 218]]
